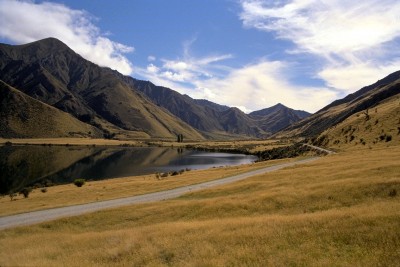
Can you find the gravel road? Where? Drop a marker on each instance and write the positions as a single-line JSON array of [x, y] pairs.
[[328, 152], [56, 213]]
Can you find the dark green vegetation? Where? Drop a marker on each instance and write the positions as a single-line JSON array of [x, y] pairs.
[[79, 182]]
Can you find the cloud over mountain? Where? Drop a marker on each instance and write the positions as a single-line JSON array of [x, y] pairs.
[[27, 21]]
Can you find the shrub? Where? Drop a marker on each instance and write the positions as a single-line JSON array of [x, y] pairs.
[[12, 195], [393, 193], [79, 182], [388, 138], [25, 191], [43, 190]]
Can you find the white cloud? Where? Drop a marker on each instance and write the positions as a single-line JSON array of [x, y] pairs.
[[27, 21], [183, 70], [252, 87], [355, 76], [262, 85], [151, 58], [152, 68], [349, 35]]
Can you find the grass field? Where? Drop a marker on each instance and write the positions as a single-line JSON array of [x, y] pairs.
[[92, 191], [342, 210]]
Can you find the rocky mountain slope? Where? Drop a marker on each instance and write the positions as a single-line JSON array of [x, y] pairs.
[[52, 73]]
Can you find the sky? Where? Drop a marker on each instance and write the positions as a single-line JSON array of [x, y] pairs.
[[250, 54]]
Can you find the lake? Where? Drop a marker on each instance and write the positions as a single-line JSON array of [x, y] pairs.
[[22, 166]]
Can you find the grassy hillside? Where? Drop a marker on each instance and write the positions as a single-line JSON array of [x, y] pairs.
[[24, 117], [377, 126], [341, 210], [336, 112]]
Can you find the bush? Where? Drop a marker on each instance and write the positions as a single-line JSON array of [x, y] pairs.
[[79, 182], [25, 191], [12, 195], [43, 190], [393, 193]]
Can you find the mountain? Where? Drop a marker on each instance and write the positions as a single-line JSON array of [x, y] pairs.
[[363, 100], [50, 72], [277, 117], [182, 106], [123, 107], [22, 116], [218, 121], [207, 103], [236, 121]]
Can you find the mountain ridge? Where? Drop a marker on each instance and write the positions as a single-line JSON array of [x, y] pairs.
[[122, 106], [56, 75]]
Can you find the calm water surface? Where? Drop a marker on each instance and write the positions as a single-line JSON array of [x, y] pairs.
[[27, 165]]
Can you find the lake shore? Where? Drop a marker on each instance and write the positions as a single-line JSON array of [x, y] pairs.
[[92, 191]]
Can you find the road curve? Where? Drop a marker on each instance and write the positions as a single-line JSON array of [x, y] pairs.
[[56, 213], [320, 149]]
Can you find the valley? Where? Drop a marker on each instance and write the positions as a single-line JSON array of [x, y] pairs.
[[315, 208]]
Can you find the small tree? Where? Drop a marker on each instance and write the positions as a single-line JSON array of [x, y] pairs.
[[367, 116], [79, 182], [179, 138]]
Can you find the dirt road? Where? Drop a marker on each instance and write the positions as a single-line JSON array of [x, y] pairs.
[[56, 213]]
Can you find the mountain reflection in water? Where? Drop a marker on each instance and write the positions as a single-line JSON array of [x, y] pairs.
[[22, 166]]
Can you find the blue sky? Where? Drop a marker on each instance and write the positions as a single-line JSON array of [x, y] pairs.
[[251, 54]]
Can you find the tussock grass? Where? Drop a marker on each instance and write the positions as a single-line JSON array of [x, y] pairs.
[[337, 211], [374, 127]]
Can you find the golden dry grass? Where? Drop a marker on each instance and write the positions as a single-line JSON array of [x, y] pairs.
[[372, 131], [92, 191], [338, 211]]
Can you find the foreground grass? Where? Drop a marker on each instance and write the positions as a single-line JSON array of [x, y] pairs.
[[342, 210]]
